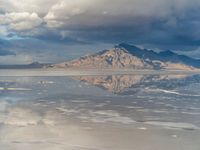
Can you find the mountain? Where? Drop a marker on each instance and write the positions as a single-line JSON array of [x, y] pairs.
[[164, 56], [33, 65], [125, 56]]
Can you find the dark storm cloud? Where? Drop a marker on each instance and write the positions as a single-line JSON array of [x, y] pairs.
[[3, 48], [157, 23], [6, 53]]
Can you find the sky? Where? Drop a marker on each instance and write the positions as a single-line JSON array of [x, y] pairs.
[[58, 30]]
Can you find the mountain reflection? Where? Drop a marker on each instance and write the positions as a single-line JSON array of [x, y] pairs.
[[123, 84], [115, 84]]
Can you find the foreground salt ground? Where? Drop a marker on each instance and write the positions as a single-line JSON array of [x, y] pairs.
[[62, 114], [47, 125]]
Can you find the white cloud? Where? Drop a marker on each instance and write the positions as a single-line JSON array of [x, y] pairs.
[[3, 31], [60, 13], [41, 7], [20, 21]]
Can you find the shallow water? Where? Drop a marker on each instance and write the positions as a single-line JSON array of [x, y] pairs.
[[121, 112]]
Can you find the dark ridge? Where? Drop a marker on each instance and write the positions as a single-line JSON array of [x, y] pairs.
[[165, 56], [33, 65]]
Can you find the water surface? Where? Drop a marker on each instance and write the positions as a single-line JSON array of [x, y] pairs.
[[119, 112]]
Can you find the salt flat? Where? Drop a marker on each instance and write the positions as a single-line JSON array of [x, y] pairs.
[[120, 112], [86, 72]]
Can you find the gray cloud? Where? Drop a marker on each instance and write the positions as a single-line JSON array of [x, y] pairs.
[[3, 48], [30, 50], [159, 23], [5, 52]]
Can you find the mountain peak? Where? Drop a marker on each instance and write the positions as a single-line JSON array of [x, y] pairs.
[[127, 46], [167, 53], [129, 56]]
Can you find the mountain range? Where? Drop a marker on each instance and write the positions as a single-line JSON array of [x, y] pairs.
[[34, 65], [125, 56]]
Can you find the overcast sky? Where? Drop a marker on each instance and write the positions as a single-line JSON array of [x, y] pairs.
[[32, 29]]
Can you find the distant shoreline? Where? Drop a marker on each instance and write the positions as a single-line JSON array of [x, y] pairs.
[[88, 72]]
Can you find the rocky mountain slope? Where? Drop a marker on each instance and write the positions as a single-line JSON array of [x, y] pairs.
[[126, 56]]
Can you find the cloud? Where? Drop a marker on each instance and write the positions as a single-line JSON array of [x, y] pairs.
[[30, 50], [6, 53], [3, 50], [191, 53], [157, 22], [41, 7], [15, 59], [21, 21]]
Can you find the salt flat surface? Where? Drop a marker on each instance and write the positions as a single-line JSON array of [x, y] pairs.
[[123, 112], [86, 72]]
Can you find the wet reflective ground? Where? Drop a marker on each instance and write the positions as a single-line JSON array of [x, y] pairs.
[[125, 112]]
